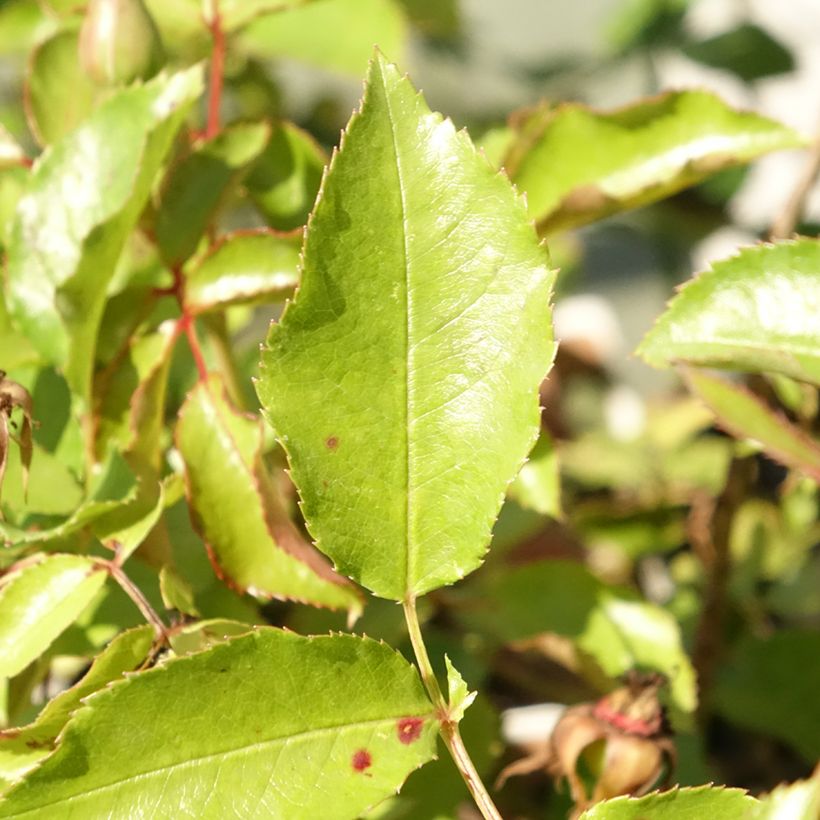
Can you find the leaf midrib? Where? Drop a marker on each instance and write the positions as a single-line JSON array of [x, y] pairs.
[[258, 746]]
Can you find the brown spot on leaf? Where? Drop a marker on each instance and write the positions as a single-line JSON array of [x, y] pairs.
[[409, 729], [361, 760], [331, 442]]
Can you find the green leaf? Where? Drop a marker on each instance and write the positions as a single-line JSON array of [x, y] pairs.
[[756, 311], [578, 165], [459, 697], [59, 94], [769, 685], [198, 184], [11, 154], [244, 267], [284, 181], [418, 338], [714, 802], [176, 592], [204, 634], [612, 625], [538, 485], [235, 509], [744, 415], [279, 723], [333, 34], [795, 801], [85, 197], [38, 601], [21, 748], [747, 51], [235, 14]]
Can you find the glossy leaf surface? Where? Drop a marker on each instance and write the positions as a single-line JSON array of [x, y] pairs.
[[714, 802], [756, 311], [84, 199], [403, 380], [742, 414], [38, 602], [236, 512], [578, 165], [281, 726], [244, 267]]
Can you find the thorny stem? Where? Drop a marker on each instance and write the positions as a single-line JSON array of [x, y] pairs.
[[448, 728], [135, 594], [217, 69], [785, 223]]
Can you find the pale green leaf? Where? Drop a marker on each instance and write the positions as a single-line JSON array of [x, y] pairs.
[[742, 414], [755, 311], [417, 341], [244, 267], [284, 181], [714, 802], [21, 748], [236, 14], [770, 684], [85, 197], [13, 183], [204, 634], [199, 183], [459, 697], [578, 165], [335, 34], [176, 592], [11, 154], [538, 485], [235, 509], [38, 601], [59, 94], [618, 630], [280, 726], [793, 801]]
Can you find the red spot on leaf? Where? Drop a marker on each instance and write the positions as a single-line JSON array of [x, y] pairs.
[[361, 760], [332, 442], [409, 729]]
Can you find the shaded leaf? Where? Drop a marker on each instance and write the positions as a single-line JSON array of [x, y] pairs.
[[744, 415], [176, 592], [62, 255], [756, 311], [747, 51], [38, 601], [146, 742], [234, 507], [283, 183], [244, 267], [21, 748], [59, 94], [403, 380], [334, 34], [578, 165], [198, 184], [769, 685], [618, 630], [714, 802], [793, 801]]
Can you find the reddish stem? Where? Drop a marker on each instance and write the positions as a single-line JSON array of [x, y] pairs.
[[185, 323], [217, 68]]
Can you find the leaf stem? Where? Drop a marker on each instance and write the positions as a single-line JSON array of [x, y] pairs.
[[217, 70], [135, 594], [449, 728]]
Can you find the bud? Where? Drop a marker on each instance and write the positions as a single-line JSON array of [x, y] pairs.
[[119, 42]]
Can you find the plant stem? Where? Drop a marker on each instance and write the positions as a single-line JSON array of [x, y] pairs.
[[785, 222], [448, 728], [135, 594], [217, 68]]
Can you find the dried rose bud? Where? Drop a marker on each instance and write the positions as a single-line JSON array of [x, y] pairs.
[[119, 42], [623, 738]]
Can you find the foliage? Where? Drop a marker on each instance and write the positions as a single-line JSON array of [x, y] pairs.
[[197, 538]]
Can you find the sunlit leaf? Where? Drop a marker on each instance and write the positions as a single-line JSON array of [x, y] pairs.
[[85, 197], [744, 415], [38, 601], [714, 802], [578, 165], [793, 801], [11, 153], [236, 511], [244, 267], [538, 484], [339, 731], [418, 338]]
